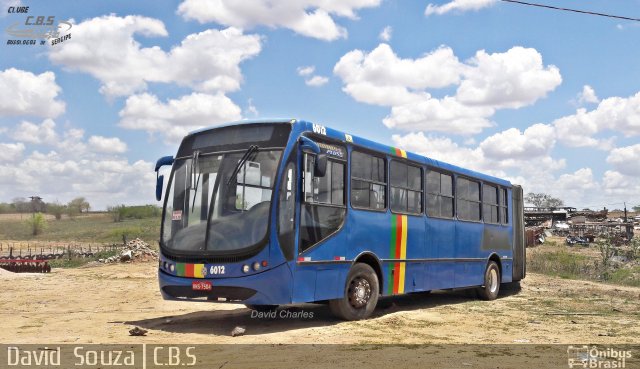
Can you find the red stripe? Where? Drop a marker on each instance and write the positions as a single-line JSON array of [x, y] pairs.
[[188, 270], [396, 277], [398, 236], [396, 273], [398, 152]]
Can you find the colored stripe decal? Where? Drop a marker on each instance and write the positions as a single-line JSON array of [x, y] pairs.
[[392, 254], [403, 253], [399, 152], [190, 270], [198, 270], [398, 250]]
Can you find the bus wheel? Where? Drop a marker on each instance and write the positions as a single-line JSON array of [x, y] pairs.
[[261, 307], [360, 294], [491, 286]]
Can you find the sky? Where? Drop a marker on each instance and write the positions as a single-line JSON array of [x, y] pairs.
[[544, 98]]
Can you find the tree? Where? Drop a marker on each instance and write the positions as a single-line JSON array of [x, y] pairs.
[[37, 223], [636, 208], [543, 200], [79, 205], [117, 212], [21, 205], [57, 209]]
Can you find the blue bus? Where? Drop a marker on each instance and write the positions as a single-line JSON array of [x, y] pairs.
[[276, 212]]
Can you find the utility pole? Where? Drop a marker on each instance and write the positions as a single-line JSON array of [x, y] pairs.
[[625, 212]]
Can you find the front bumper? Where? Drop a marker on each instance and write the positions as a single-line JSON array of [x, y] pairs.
[[271, 287]]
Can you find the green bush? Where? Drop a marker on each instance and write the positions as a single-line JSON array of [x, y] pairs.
[[121, 212], [37, 223]]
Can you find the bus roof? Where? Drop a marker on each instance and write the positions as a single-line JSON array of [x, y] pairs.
[[363, 142]]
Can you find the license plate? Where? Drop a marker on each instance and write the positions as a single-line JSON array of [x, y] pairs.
[[201, 286]]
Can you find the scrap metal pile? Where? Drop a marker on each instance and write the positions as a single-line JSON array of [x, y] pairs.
[[134, 250], [578, 227]]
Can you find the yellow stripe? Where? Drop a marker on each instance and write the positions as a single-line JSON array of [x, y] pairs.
[[403, 251], [197, 270], [403, 153]]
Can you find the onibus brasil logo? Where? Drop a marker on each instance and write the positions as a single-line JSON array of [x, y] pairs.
[[597, 357], [30, 28]]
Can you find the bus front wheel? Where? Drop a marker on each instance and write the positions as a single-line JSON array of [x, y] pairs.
[[491, 286], [360, 294]]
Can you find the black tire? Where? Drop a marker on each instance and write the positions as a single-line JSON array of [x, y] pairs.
[[261, 307], [491, 286], [361, 293]]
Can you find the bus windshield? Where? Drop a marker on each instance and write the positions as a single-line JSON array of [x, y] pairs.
[[232, 188]]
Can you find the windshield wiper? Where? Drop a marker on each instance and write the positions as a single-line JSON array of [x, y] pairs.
[[195, 169], [245, 157]]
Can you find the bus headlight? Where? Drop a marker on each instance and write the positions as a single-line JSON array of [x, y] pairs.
[[256, 266], [245, 268], [172, 268]]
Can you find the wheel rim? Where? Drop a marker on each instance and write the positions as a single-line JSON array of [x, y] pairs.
[[359, 292], [493, 280]]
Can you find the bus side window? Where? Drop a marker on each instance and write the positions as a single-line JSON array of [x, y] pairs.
[[468, 198], [490, 203], [406, 188], [439, 194], [504, 212], [368, 181]]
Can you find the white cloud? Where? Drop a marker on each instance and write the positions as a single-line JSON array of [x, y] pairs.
[[25, 93], [306, 71], [487, 82], [310, 79], [316, 81], [441, 115], [385, 34], [43, 133], [68, 172], [251, 109], [537, 140], [11, 151], [312, 18], [613, 113], [176, 117], [105, 48], [512, 79], [588, 95], [626, 160], [107, 145], [458, 5]]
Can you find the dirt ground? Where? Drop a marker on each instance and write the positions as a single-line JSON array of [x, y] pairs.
[[100, 304]]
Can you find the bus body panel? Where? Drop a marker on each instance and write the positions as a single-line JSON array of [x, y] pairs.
[[441, 241]]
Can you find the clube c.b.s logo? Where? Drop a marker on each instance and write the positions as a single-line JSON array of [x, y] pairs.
[[29, 29]]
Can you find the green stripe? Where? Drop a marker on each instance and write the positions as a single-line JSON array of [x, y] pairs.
[[392, 253], [180, 269]]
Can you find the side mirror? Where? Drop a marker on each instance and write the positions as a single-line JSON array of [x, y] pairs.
[[159, 183], [320, 167], [165, 160]]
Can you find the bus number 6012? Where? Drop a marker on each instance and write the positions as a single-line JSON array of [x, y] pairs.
[[216, 269]]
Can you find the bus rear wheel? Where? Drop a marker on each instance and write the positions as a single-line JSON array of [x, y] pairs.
[[360, 294], [491, 286]]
